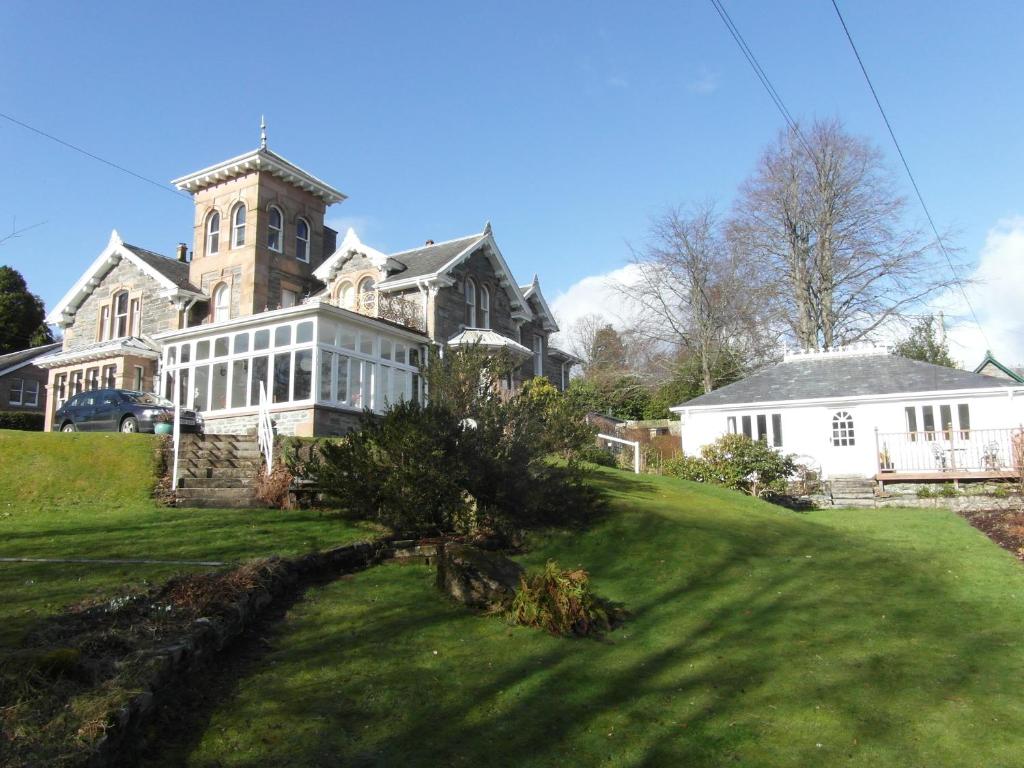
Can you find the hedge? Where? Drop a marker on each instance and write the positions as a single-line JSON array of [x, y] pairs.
[[29, 422]]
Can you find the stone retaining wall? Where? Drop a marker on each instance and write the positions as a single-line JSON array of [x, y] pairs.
[[970, 497]]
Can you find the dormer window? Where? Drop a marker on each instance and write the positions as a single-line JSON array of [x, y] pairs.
[[213, 234], [302, 240], [345, 295], [275, 224], [120, 327], [470, 303], [238, 226], [485, 307]]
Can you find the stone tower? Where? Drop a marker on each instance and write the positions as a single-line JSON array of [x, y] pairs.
[[259, 232]]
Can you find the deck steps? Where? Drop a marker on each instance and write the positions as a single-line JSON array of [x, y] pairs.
[[218, 471], [852, 491]]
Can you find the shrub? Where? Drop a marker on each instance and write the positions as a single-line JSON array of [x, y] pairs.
[[273, 489], [401, 469], [562, 602], [595, 454], [737, 462], [564, 429], [27, 422]]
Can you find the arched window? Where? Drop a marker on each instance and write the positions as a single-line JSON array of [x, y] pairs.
[[470, 303], [221, 303], [345, 295], [120, 327], [842, 429], [485, 307], [213, 233], [238, 226], [302, 240], [366, 296], [275, 223]]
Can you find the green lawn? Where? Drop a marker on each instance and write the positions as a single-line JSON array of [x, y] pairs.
[[89, 496], [760, 637]]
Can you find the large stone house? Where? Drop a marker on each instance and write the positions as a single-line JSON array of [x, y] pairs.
[[267, 301]]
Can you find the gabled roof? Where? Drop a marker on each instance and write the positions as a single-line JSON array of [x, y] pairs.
[[170, 274], [989, 360], [839, 375], [431, 260], [351, 245], [263, 160], [532, 291], [12, 361]]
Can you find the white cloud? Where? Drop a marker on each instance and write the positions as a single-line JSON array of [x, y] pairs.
[[596, 295], [617, 81], [997, 295], [706, 82]]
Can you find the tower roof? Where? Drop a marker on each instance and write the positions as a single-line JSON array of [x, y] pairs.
[[264, 160]]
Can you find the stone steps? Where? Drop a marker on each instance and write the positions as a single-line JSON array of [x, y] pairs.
[[218, 471]]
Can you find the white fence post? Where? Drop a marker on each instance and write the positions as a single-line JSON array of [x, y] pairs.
[[175, 434], [265, 429]]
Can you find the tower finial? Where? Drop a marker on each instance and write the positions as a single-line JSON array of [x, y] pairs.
[[263, 132]]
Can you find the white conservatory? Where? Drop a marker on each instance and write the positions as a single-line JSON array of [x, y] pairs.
[[320, 365]]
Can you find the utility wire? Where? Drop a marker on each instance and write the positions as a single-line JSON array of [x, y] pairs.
[[910, 175], [761, 74], [121, 168]]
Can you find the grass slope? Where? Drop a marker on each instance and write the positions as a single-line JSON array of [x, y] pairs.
[[760, 637], [89, 495]]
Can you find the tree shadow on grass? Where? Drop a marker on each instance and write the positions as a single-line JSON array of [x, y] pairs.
[[749, 643]]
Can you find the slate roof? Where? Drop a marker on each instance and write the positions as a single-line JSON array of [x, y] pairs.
[[100, 349], [428, 259], [15, 358], [844, 376], [174, 270]]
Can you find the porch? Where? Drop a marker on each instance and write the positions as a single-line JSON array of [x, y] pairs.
[[949, 455]]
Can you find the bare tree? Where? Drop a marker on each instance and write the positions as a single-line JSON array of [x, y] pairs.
[[691, 295], [822, 222]]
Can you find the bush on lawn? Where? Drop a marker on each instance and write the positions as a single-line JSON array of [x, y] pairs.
[[474, 459], [562, 602], [27, 422], [737, 462]]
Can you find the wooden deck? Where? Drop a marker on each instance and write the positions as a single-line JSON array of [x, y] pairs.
[[946, 476]]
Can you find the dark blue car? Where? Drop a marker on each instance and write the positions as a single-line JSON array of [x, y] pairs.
[[117, 410]]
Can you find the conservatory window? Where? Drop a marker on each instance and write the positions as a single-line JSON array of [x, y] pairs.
[[842, 429]]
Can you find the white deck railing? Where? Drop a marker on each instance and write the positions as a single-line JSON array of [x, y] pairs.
[[951, 450], [265, 429]]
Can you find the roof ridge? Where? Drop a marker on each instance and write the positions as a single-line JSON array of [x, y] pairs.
[[478, 235]]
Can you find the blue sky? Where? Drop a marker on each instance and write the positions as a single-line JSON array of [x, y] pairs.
[[568, 125]]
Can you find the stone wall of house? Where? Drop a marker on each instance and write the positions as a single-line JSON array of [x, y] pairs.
[[319, 421], [230, 275], [158, 314], [24, 374], [449, 304]]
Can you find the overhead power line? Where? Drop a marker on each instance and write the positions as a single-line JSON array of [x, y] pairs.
[[103, 160], [910, 175]]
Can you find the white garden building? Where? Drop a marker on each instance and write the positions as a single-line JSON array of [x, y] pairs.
[[865, 412]]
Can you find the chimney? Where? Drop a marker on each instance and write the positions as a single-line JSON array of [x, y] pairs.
[[429, 242], [182, 252]]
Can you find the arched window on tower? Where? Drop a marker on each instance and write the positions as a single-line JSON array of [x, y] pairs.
[[221, 303], [238, 226], [275, 224], [302, 240], [213, 233]]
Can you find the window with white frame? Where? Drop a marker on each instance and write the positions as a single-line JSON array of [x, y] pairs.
[[109, 376], [289, 298], [139, 376], [470, 303], [104, 323], [16, 392], [842, 429], [367, 296], [120, 326], [238, 226], [76, 383], [756, 427], [222, 303], [92, 378], [538, 355], [212, 233], [344, 295], [302, 240], [275, 229], [135, 318], [485, 307], [31, 396], [60, 386]]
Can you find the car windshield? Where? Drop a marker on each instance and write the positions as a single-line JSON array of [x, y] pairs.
[[145, 398]]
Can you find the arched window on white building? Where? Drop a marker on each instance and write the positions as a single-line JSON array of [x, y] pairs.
[[842, 429]]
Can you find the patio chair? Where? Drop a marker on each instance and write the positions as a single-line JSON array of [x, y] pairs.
[[990, 456], [939, 453]]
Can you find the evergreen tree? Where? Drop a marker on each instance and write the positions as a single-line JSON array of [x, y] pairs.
[[926, 343], [21, 314]]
